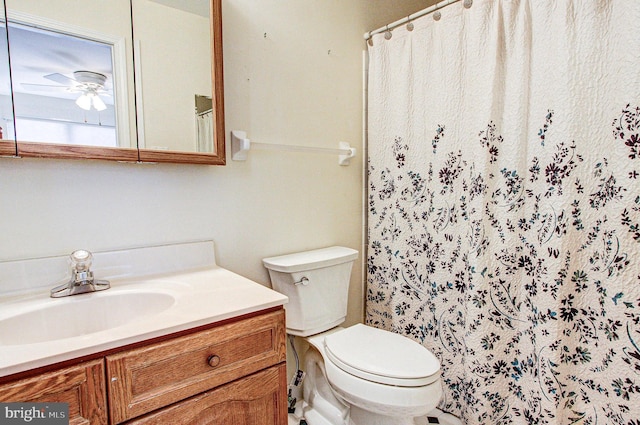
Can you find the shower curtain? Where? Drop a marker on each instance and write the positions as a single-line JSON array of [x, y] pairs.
[[204, 132], [504, 205]]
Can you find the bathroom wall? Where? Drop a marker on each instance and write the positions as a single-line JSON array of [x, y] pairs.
[[293, 74]]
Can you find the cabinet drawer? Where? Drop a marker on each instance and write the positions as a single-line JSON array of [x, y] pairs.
[[144, 379], [259, 399], [81, 386]]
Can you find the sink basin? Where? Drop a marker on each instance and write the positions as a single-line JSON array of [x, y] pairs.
[[79, 315], [38, 331]]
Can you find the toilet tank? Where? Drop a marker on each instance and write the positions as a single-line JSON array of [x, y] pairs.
[[317, 284]]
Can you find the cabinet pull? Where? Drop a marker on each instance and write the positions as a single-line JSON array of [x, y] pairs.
[[213, 360]]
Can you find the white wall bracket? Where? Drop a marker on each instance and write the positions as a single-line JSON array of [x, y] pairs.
[[240, 146]]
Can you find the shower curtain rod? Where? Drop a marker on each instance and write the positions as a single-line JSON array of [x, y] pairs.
[[410, 18]]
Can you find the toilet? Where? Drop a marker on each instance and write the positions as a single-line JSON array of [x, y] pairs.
[[358, 375]]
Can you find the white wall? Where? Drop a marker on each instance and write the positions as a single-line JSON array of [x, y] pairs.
[[293, 74]]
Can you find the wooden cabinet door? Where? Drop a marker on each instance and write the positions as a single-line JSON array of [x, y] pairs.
[[146, 379], [259, 399], [81, 386]]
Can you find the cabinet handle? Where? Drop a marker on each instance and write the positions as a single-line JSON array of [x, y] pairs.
[[213, 360]]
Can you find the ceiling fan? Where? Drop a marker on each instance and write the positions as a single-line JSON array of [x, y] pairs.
[[89, 84]]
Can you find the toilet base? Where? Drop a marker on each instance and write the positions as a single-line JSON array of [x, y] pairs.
[[313, 417], [359, 416], [356, 416]]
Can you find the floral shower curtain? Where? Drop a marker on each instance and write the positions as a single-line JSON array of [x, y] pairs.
[[504, 205]]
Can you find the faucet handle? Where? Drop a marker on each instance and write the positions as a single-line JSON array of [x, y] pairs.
[[82, 280], [81, 260]]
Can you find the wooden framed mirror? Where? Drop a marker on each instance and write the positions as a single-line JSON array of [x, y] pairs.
[[7, 139], [87, 84]]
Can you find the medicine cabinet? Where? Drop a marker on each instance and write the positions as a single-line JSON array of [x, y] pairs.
[[124, 80]]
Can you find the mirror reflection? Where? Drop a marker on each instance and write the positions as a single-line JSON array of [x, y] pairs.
[[7, 141], [69, 72], [68, 99], [172, 44]]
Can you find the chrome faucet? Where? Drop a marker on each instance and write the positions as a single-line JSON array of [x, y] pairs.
[[82, 280]]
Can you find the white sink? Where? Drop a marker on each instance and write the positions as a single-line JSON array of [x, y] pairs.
[[80, 315], [36, 330]]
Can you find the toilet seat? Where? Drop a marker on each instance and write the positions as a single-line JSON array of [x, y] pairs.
[[383, 357]]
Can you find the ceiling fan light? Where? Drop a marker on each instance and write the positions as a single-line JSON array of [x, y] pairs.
[[98, 103], [84, 102]]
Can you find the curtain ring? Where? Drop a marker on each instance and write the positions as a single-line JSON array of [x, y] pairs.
[[409, 24], [387, 34], [370, 39], [467, 4], [437, 15]]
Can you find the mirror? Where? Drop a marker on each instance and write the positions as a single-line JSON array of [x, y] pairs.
[[7, 141], [87, 85], [172, 43], [72, 78]]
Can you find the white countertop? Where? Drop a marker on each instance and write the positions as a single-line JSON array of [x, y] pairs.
[[201, 297]]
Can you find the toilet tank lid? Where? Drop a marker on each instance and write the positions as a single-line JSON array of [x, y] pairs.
[[309, 260]]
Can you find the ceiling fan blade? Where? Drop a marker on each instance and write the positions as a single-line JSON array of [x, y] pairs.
[[45, 87], [59, 78]]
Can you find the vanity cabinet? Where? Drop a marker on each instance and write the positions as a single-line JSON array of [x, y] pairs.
[[254, 400], [147, 378], [228, 373], [81, 386]]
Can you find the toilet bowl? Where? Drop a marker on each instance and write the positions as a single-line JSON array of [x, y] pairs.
[[382, 377], [358, 375]]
